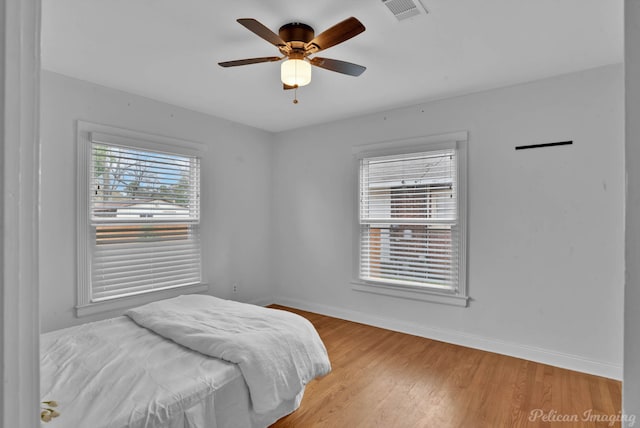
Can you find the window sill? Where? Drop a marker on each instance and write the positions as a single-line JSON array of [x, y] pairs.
[[132, 301], [411, 293]]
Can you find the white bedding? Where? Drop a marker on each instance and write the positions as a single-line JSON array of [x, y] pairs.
[[278, 352], [114, 374]]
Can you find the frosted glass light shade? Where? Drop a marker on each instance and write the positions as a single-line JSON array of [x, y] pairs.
[[295, 72]]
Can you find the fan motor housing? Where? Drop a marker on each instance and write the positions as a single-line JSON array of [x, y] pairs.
[[296, 32]]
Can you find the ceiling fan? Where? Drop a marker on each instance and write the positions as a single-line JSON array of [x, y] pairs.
[[297, 43]]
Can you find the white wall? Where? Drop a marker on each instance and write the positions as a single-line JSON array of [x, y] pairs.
[[545, 261], [631, 384], [546, 246], [235, 182]]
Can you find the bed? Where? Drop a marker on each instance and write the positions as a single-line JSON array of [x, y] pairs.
[[117, 373]]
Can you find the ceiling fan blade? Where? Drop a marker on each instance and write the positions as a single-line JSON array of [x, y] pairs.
[[259, 29], [249, 61], [338, 66], [340, 32]]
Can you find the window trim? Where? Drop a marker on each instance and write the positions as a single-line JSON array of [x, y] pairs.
[[459, 140], [87, 133]]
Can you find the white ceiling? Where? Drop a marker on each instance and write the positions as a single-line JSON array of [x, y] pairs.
[[168, 50]]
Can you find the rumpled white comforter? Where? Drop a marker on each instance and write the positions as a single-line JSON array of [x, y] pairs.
[[278, 352]]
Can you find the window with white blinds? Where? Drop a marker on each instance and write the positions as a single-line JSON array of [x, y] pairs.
[[144, 215], [409, 220]]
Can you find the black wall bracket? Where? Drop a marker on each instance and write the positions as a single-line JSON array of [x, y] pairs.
[[535, 146]]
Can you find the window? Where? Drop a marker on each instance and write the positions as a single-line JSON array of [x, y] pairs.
[[140, 201], [411, 219]]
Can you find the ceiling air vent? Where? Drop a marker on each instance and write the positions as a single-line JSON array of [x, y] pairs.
[[403, 9]]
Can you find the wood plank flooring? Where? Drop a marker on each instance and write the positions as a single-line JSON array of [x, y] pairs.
[[382, 378]]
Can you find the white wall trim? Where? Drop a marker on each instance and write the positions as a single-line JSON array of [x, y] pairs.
[[408, 145], [125, 137], [19, 309], [410, 293], [631, 382], [265, 301], [540, 355], [141, 299]]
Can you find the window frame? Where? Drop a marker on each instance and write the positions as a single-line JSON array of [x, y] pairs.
[[87, 133], [457, 140]]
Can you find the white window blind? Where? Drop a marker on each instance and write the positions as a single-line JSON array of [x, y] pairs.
[[144, 218], [408, 217]]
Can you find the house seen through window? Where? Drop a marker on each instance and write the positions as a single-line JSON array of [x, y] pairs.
[[408, 216], [144, 215]]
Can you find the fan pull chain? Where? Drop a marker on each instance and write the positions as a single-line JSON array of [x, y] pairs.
[[295, 95]]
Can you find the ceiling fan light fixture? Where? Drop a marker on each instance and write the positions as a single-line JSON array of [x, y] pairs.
[[295, 72], [296, 42]]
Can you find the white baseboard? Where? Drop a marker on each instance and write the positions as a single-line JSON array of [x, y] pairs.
[[539, 355], [261, 302]]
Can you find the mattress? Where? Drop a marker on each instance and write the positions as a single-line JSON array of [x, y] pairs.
[[114, 373]]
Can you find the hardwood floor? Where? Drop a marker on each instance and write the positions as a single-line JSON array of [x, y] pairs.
[[382, 378]]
